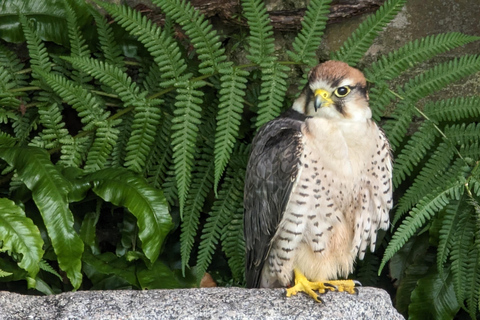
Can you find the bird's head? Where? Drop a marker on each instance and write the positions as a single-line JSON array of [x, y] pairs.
[[335, 91]]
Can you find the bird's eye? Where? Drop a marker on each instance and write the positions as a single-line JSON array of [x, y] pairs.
[[342, 91]]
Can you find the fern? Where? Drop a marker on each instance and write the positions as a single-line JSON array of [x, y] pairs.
[[112, 76], [106, 137], [89, 107], [74, 151], [274, 87], [205, 40], [392, 65], [232, 235], [201, 184], [220, 215], [147, 118], [435, 171], [414, 151], [460, 253], [450, 221], [13, 65], [261, 46], [6, 83], [229, 117], [24, 124], [423, 211], [309, 38], [424, 85], [78, 47], [119, 150], [109, 47], [160, 44], [49, 105], [362, 38], [161, 155], [185, 127], [454, 109]]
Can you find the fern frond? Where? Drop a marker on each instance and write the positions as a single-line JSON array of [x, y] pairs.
[[78, 47], [202, 181], [464, 233], [112, 76], [24, 124], [185, 127], [396, 127], [6, 140], [309, 38], [106, 137], [90, 109], [233, 243], [109, 47], [441, 75], [454, 109], [220, 215], [472, 290], [36, 49], [45, 266], [362, 38], [426, 208], [74, 150], [7, 99], [160, 44], [380, 98], [232, 238], [13, 65], [54, 128], [272, 93], [449, 223], [119, 150], [161, 155], [146, 120], [199, 30], [169, 187], [436, 170], [414, 151], [392, 65], [260, 40], [423, 85], [229, 116], [462, 134], [4, 273]]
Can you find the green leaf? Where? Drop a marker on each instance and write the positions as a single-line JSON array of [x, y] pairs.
[[413, 272], [159, 276], [124, 188], [307, 40], [358, 43], [50, 194], [49, 17], [434, 298], [96, 266], [18, 234]]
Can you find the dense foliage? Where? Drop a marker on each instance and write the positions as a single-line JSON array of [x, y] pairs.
[[124, 148]]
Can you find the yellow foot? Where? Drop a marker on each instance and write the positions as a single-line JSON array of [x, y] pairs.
[[302, 284]]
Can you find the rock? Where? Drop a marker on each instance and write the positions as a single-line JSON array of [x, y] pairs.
[[204, 303]]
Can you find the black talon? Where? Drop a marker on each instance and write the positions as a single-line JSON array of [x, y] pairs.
[[356, 291], [326, 284]]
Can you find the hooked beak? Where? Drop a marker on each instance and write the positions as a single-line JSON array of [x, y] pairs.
[[322, 99]]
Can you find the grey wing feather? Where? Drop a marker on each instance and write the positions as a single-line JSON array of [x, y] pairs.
[[271, 172]]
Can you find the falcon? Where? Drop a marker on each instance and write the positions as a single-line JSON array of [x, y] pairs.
[[318, 187]]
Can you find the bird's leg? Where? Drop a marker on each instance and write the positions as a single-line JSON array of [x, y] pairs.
[[302, 284]]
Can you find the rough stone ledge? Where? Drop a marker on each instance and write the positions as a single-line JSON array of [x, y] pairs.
[[204, 303]]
